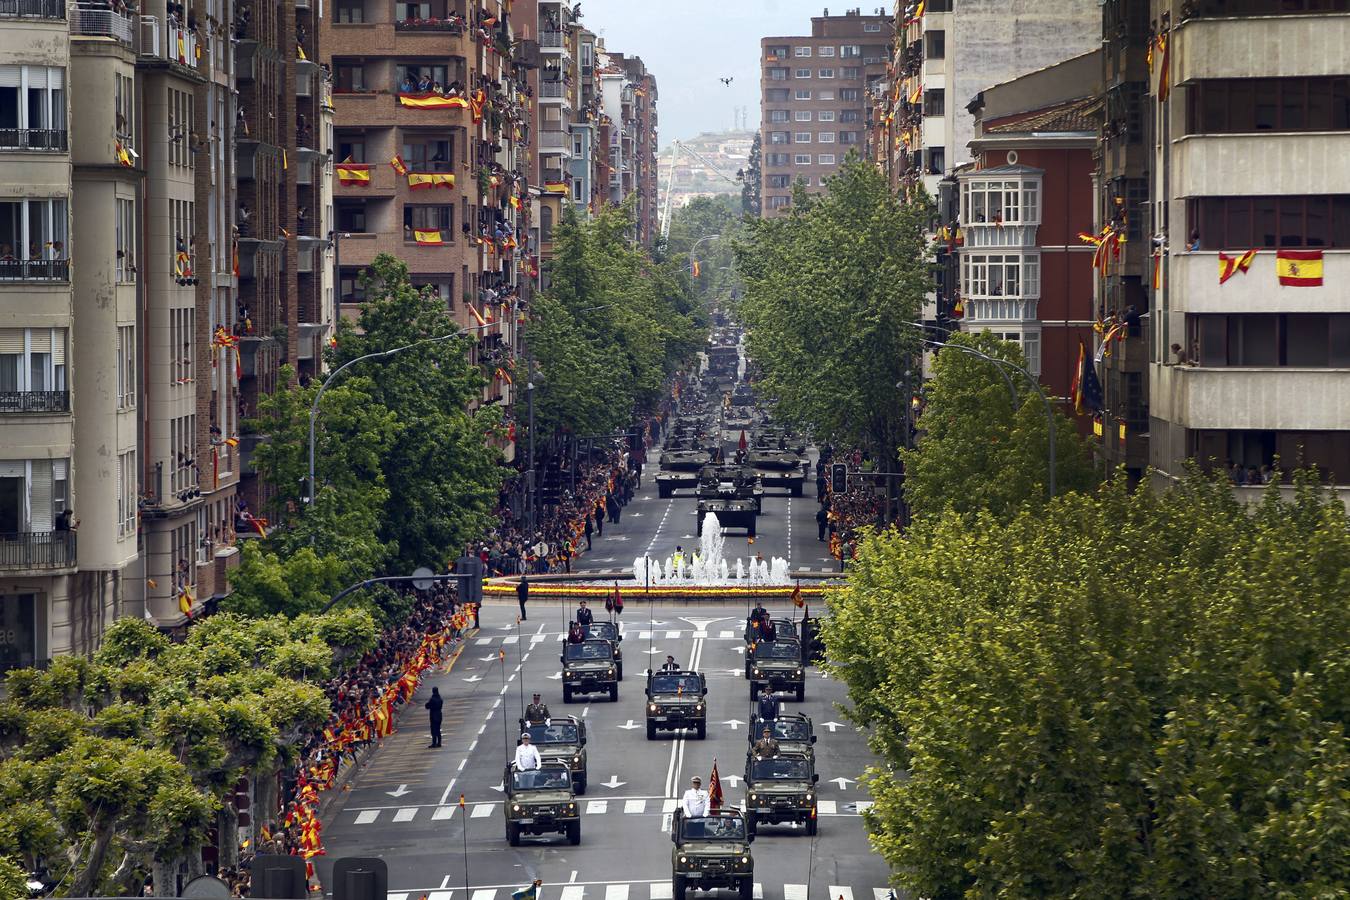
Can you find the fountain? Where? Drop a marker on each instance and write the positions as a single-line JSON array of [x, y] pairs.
[[708, 567]]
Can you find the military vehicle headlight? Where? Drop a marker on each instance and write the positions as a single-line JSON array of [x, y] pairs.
[[810, 796], [745, 860], [698, 707], [571, 806], [515, 807], [799, 671], [609, 672], [684, 859], [756, 670], [753, 796], [651, 707], [577, 759]]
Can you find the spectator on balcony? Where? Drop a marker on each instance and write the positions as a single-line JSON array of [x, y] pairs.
[[408, 85], [63, 521], [1193, 242], [456, 89], [423, 84]]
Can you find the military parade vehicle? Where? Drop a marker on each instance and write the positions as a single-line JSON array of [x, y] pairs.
[[540, 801], [588, 668], [783, 630], [675, 700], [777, 664], [780, 789], [687, 450], [732, 493], [608, 631], [561, 739], [792, 731], [712, 852]]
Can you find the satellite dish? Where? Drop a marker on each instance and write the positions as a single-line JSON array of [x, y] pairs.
[[422, 578], [206, 887]]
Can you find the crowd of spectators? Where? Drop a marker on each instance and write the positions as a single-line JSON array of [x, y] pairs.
[[851, 509]]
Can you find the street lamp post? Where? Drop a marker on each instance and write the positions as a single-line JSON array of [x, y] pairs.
[[706, 237]]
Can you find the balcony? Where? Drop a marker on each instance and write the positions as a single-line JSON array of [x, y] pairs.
[[34, 402], [257, 354], [1261, 399], [32, 9], [43, 139], [26, 550], [103, 23], [552, 40], [1193, 285], [552, 89], [1276, 46], [1281, 163], [34, 270]]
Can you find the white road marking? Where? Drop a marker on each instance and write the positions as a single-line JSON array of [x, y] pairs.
[[669, 805], [407, 814], [367, 816], [596, 807], [484, 894], [863, 806], [574, 892], [794, 892], [644, 635], [440, 895], [442, 813], [724, 634], [839, 892], [396, 897], [672, 635], [634, 806], [481, 810], [481, 641], [882, 894], [616, 892], [511, 639], [826, 807], [661, 890]]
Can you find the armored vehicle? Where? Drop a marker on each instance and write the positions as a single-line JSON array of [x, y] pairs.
[[562, 739], [588, 668], [540, 801], [712, 852], [777, 664], [778, 468], [780, 789], [675, 700], [732, 493]]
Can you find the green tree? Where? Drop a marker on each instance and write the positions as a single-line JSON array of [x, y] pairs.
[[975, 451], [1115, 695], [750, 177], [719, 220]]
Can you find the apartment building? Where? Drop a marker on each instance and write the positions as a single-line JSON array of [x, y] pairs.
[[815, 98], [556, 102], [585, 168], [1250, 151], [638, 141]]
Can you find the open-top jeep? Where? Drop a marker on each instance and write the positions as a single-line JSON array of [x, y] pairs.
[[540, 801], [712, 852]]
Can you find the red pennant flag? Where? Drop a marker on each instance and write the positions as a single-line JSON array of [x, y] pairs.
[[742, 443], [714, 788]]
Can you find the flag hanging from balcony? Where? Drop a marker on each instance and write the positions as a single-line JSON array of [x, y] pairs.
[[353, 173], [185, 600], [476, 102], [398, 165], [419, 181], [432, 101], [1086, 389], [1164, 73], [477, 316], [556, 187], [503, 375], [1157, 269], [1299, 268], [1231, 265], [515, 202], [917, 95], [123, 156], [182, 49], [428, 238]]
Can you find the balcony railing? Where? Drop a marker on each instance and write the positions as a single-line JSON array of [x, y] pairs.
[[102, 23], [34, 401], [551, 39], [452, 25], [37, 550], [33, 138], [34, 270], [552, 89], [32, 9]]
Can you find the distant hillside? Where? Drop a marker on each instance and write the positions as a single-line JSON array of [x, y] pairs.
[[723, 155]]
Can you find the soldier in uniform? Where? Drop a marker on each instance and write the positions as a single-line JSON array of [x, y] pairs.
[[537, 712], [766, 747]]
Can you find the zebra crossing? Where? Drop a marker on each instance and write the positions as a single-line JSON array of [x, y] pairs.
[[673, 634], [639, 890], [625, 806]]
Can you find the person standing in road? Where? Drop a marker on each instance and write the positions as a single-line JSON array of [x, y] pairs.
[[600, 518], [590, 529], [434, 714], [822, 522], [527, 755], [523, 594], [584, 616], [695, 800]]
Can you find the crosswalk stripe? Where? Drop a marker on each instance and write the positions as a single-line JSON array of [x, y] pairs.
[[616, 892], [538, 638], [481, 811], [661, 890], [442, 812], [440, 895], [726, 634], [481, 641], [572, 892], [393, 896], [406, 814], [672, 635], [670, 805], [596, 807], [882, 894], [794, 892], [644, 635], [511, 639], [759, 891], [366, 816], [484, 894], [863, 806], [826, 807], [634, 806], [839, 892]]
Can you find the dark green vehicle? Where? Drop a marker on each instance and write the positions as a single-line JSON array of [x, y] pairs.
[[608, 631], [712, 852], [793, 732], [781, 789], [563, 740], [540, 801], [675, 700], [589, 668], [777, 664]]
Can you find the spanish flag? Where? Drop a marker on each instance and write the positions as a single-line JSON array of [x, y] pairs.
[[515, 201], [477, 316], [1164, 73], [797, 600], [432, 101], [1231, 265], [917, 95], [428, 238], [1157, 270], [1299, 268], [398, 164], [504, 375], [185, 601], [694, 269], [556, 187], [423, 180], [353, 173], [123, 156]]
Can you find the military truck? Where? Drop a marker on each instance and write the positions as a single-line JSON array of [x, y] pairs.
[[561, 739], [588, 668], [777, 664], [675, 700], [792, 731], [608, 631], [712, 852], [540, 801], [780, 789], [732, 493]]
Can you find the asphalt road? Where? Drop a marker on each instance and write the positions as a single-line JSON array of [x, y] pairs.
[[404, 805]]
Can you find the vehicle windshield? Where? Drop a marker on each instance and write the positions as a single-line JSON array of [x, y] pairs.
[[781, 769], [777, 650], [710, 828], [605, 631], [589, 650], [556, 733], [541, 780], [790, 730], [677, 684]]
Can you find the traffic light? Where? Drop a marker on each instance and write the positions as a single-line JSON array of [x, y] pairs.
[[839, 477]]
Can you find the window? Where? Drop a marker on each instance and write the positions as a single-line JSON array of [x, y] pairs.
[[125, 349], [1298, 340], [850, 94], [802, 137], [780, 181], [824, 95], [32, 230], [779, 51], [351, 149], [30, 490], [850, 50], [349, 78], [1236, 106], [826, 137], [182, 227], [351, 12], [128, 491], [181, 112], [935, 102], [408, 75], [801, 73], [780, 137], [352, 217], [825, 73], [578, 189], [1001, 275], [778, 202], [849, 137], [778, 74], [937, 160], [825, 115], [776, 95], [429, 218], [1267, 222], [32, 107], [935, 6], [935, 44], [182, 466], [826, 52], [1030, 343], [871, 27], [802, 115], [125, 238], [1327, 451], [801, 52], [802, 94], [32, 361], [124, 111], [825, 159], [1008, 202], [778, 115], [802, 159], [851, 73], [850, 115], [182, 321], [776, 159]]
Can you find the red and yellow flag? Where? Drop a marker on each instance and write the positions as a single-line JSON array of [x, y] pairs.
[[398, 165], [1164, 69], [1299, 268], [353, 173], [715, 796], [432, 101], [1231, 265], [477, 316], [423, 180], [428, 238], [556, 187]]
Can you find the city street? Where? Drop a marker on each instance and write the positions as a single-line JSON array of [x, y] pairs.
[[404, 805]]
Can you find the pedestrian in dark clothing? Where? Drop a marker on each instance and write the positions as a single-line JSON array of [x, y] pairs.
[[590, 529], [600, 519], [584, 617], [614, 510], [822, 523], [523, 594], [434, 705], [565, 552], [820, 485]]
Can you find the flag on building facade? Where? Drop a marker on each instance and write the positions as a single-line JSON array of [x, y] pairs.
[[1299, 268], [1086, 388], [428, 238], [419, 181], [353, 173], [1231, 265], [432, 101], [398, 165]]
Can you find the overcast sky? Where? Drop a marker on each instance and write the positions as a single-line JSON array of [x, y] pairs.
[[689, 45]]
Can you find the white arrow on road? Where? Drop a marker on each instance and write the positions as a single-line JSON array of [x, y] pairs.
[[556, 676], [734, 723], [402, 789], [732, 780], [702, 624], [492, 658], [842, 782], [740, 649], [653, 652], [630, 726], [499, 787], [833, 726], [473, 678], [616, 537], [613, 782], [608, 559], [734, 671]]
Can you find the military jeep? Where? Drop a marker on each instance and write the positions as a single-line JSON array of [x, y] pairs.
[[608, 631], [780, 789], [588, 668], [540, 801], [562, 739], [792, 732], [675, 700], [777, 664], [712, 852]]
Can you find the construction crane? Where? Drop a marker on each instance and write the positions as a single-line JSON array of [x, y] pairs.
[[670, 180]]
